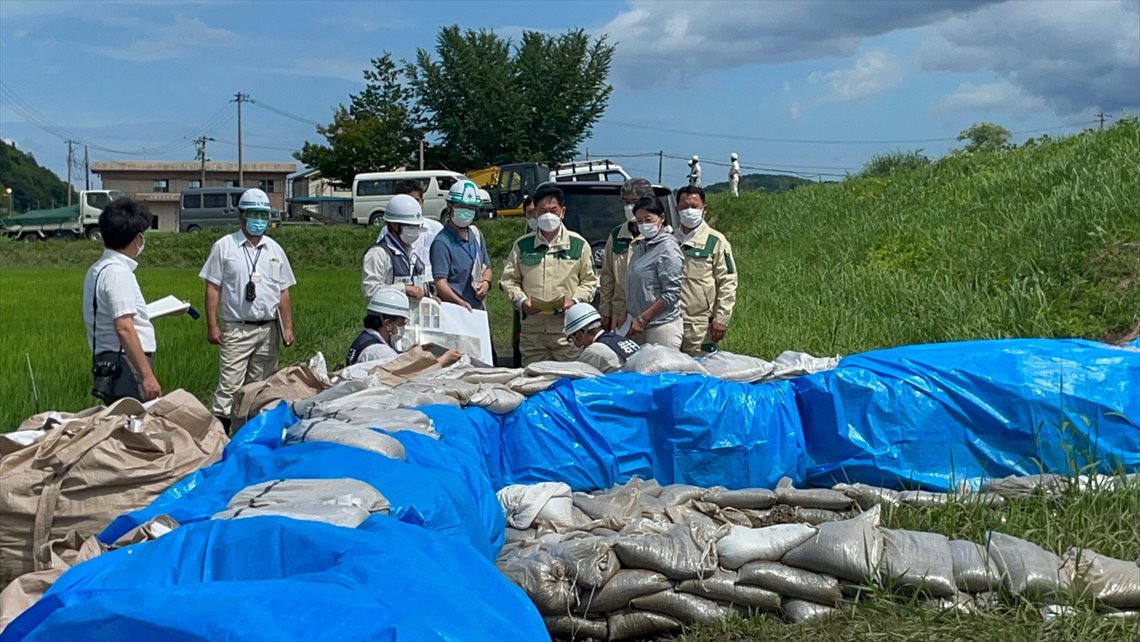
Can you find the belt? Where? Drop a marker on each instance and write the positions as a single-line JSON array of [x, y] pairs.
[[257, 323]]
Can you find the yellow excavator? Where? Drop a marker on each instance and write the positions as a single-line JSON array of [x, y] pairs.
[[508, 184]]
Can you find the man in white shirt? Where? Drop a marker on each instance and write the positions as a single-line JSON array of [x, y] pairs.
[[695, 171], [247, 279], [431, 227], [734, 174], [114, 310]]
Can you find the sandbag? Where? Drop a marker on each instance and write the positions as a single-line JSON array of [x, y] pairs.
[[686, 607], [723, 587], [742, 545], [341, 502], [635, 624], [417, 398], [371, 401], [462, 391], [684, 551], [1027, 569], [562, 369], [543, 579], [496, 399], [622, 507], [625, 586], [1025, 486], [575, 628], [791, 582], [720, 516], [866, 496], [290, 383], [918, 561], [817, 516], [414, 363], [675, 494], [337, 432], [687, 514], [524, 504], [849, 550], [655, 359], [34, 428], [811, 498], [1109, 581], [737, 367], [923, 499], [589, 561], [794, 364], [800, 611], [490, 375], [303, 407], [975, 571], [743, 498], [82, 475], [528, 386]]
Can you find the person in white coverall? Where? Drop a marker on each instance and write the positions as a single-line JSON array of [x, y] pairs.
[[734, 175], [695, 171]]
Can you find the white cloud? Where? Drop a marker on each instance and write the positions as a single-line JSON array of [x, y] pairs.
[[1067, 56], [183, 37], [872, 73], [794, 111], [335, 68], [995, 96], [660, 40]]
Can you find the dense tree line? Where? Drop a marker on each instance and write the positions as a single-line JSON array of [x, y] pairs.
[[33, 186]]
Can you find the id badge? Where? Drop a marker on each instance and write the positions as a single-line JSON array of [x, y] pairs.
[[256, 278]]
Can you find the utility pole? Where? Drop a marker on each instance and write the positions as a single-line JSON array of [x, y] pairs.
[[200, 147], [240, 98], [660, 164], [1101, 116], [86, 169], [70, 163], [421, 153]]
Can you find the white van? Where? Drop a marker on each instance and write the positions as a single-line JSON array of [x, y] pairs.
[[371, 193], [589, 171]]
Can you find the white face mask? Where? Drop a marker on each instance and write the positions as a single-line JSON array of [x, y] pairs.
[[629, 214], [648, 230], [691, 217], [549, 222], [532, 224], [142, 244], [409, 234]]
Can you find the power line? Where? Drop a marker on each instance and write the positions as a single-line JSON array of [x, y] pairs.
[[285, 114], [809, 141]]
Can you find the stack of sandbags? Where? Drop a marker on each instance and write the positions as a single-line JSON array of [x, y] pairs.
[[641, 559], [85, 471], [340, 502]]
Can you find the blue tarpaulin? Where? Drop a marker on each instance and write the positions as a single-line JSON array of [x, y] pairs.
[[917, 417]]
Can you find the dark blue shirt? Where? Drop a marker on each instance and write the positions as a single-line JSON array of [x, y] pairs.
[[453, 258]]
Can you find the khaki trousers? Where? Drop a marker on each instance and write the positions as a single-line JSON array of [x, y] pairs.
[[248, 353], [695, 334], [668, 335]]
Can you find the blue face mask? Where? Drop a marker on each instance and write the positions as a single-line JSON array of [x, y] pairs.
[[256, 226], [463, 217]]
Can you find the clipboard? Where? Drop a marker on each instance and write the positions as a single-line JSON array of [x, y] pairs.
[[547, 307], [166, 306]]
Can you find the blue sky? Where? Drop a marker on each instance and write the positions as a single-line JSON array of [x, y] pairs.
[[147, 78]]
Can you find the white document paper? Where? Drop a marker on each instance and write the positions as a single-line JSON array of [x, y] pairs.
[[457, 320], [166, 306]]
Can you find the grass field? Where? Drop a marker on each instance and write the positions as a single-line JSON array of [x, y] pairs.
[[1039, 241]]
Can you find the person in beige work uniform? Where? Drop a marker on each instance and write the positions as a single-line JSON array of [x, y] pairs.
[[247, 279], [708, 290], [546, 272], [611, 303]]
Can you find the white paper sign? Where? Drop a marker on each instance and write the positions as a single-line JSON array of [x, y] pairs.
[[457, 320]]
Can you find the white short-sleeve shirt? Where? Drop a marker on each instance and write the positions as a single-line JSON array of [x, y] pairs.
[[111, 280], [378, 353], [234, 262]]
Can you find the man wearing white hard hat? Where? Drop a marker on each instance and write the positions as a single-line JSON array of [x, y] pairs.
[[607, 351], [695, 171], [247, 277], [734, 174], [384, 321], [392, 260]]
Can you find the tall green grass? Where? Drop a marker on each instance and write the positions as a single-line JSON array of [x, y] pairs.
[[1043, 241]]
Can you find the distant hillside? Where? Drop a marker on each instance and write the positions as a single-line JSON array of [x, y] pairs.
[[33, 186], [766, 182]]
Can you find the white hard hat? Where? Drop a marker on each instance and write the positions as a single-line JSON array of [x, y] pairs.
[[578, 317], [732, 156], [254, 199], [696, 158], [391, 302], [405, 210]]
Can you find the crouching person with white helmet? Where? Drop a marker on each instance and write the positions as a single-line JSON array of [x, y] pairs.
[[384, 322], [247, 279], [606, 351], [393, 260]]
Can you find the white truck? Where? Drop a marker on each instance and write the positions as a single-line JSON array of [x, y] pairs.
[[80, 219]]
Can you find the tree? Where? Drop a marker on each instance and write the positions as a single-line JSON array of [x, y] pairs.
[[490, 105], [985, 137], [33, 186], [380, 130]]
